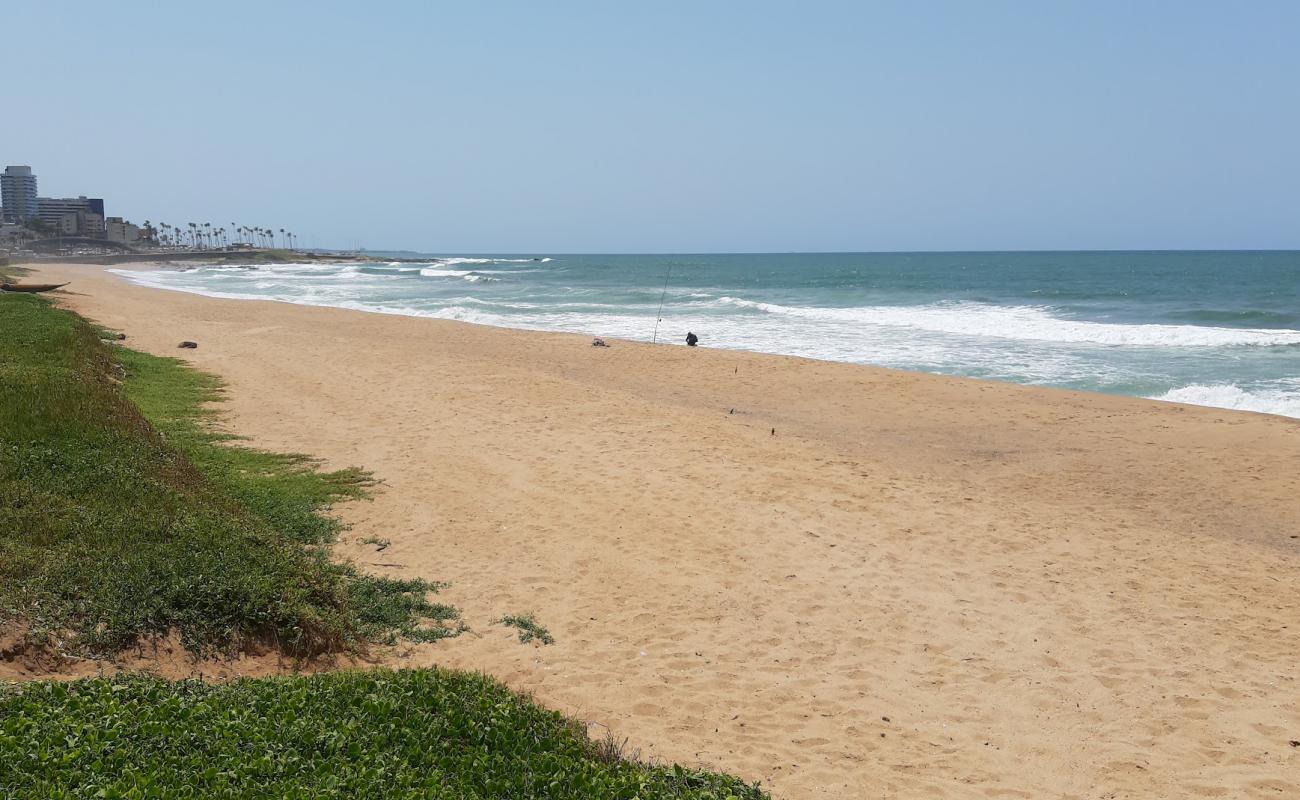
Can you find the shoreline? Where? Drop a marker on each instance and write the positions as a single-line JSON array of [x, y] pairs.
[[153, 267], [867, 581]]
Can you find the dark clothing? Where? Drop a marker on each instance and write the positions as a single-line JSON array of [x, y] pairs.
[[691, 339]]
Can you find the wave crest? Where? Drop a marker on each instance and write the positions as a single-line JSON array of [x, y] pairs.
[[1028, 323], [1226, 395]]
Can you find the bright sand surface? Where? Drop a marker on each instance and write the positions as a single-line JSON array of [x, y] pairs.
[[919, 586]]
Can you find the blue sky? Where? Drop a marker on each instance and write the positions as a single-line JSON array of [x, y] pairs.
[[672, 127]]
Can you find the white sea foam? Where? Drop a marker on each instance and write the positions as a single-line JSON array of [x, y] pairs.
[[465, 275], [1027, 323], [438, 272], [461, 260], [331, 298], [1265, 401]]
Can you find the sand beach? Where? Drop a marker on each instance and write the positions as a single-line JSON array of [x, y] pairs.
[[847, 582]]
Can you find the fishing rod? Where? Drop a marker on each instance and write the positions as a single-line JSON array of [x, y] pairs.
[[659, 316]]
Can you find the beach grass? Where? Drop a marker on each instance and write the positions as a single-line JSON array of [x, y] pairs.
[[426, 733], [127, 516]]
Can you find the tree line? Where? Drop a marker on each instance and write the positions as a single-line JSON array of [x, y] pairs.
[[204, 235]]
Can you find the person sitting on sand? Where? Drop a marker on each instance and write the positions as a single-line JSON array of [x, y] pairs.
[[598, 342], [691, 339]]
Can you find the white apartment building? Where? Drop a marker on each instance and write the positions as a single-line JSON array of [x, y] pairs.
[[18, 193]]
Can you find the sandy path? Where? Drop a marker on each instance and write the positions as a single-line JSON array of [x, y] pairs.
[[918, 587]]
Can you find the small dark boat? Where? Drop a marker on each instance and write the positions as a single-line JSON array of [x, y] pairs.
[[30, 287]]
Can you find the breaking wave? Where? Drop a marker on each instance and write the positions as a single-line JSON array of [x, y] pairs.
[[1226, 395], [1027, 323]]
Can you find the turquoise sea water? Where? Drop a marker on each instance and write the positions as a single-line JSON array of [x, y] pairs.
[[1210, 328]]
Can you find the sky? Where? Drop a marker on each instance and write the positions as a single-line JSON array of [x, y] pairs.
[[566, 127]]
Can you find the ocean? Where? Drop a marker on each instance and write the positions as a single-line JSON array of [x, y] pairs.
[[1208, 328]]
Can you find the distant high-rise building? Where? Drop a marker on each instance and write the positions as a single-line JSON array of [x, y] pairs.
[[73, 216], [18, 193]]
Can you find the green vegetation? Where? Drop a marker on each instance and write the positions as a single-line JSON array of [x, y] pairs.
[[125, 515], [380, 544], [528, 627], [410, 734]]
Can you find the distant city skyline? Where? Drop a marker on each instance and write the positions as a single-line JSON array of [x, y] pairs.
[[724, 127]]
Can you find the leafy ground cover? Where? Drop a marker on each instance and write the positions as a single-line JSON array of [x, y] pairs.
[[410, 734], [529, 628], [126, 515]]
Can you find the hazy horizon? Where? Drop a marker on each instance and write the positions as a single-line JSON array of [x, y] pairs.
[[728, 128]]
